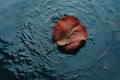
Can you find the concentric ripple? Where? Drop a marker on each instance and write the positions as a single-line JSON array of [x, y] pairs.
[[29, 34]]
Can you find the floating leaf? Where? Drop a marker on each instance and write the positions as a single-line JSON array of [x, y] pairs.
[[69, 33]]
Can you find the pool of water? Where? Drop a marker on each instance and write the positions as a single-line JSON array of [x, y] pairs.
[[26, 32]]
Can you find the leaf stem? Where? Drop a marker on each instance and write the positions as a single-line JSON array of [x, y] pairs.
[[50, 49]]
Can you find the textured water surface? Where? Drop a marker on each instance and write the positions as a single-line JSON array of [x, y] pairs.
[[26, 28]]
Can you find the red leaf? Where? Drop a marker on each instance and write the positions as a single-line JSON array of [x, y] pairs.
[[69, 33]]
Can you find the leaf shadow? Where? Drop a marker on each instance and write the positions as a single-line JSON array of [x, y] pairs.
[[71, 52]]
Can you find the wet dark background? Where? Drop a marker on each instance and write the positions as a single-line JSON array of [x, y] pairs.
[[26, 33]]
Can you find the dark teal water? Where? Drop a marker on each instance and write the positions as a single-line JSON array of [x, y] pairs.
[[26, 28]]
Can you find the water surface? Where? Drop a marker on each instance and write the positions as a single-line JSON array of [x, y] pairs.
[[26, 28]]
